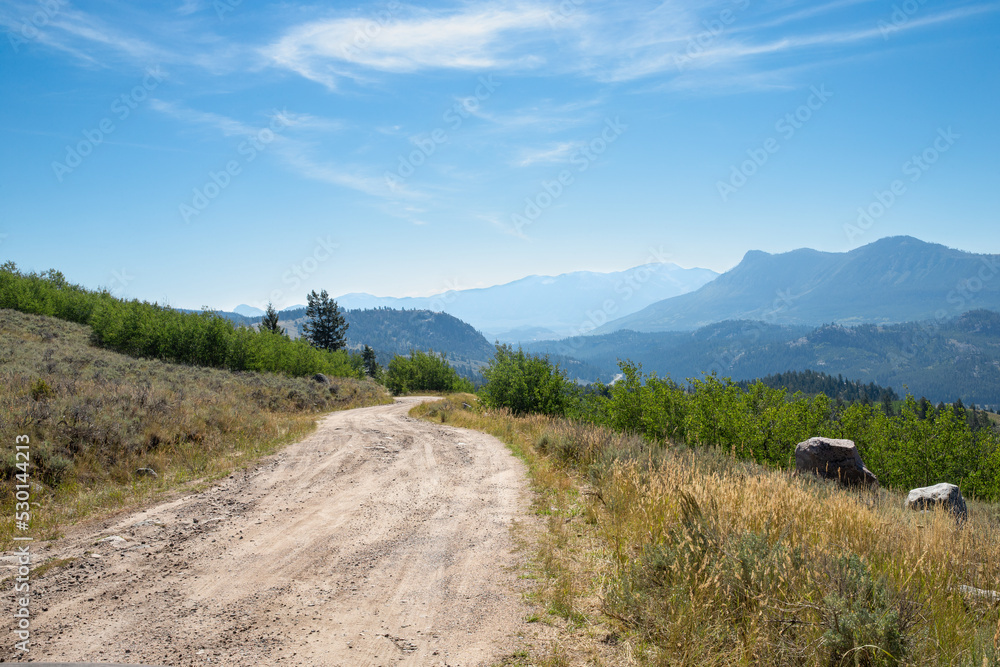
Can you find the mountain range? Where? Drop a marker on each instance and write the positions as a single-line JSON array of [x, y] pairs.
[[895, 279], [895, 312], [538, 307]]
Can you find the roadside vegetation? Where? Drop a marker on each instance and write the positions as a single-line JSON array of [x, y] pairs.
[[676, 532], [95, 417]]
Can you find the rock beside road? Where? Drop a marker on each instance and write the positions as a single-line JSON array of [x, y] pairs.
[[835, 459], [948, 495]]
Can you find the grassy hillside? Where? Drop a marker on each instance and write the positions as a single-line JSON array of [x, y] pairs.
[[95, 416], [655, 554]]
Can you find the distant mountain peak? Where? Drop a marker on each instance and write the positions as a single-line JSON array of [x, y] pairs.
[[247, 311]]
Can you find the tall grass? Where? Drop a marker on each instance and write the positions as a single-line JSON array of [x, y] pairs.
[[94, 417], [698, 557]]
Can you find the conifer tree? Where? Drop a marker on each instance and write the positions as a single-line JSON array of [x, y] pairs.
[[270, 321], [326, 328], [371, 365]]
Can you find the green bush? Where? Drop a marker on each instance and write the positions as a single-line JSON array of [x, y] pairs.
[[524, 383], [423, 371], [866, 623], [40, 390]]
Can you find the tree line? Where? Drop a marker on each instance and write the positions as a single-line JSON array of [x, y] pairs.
[[143, 329]]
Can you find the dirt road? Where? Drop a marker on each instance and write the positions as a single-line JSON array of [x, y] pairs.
[[377, 540]]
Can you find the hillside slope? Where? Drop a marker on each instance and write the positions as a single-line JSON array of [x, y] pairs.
[[94, 417]]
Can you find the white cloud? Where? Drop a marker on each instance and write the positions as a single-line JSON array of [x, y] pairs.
[[411, 40]]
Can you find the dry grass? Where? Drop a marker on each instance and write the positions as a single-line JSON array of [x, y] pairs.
[[666, 556], [94, 417]]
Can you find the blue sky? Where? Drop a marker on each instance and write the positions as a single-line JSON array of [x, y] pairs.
[[206, 153]]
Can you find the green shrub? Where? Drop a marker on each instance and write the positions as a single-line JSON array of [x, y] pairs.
[[866, 625], [40, 389], [423, 371], [524, 383]]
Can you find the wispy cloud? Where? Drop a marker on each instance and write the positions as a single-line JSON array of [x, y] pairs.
[[227, 126], [596, 40], [553, 153], [473, 38], [190, 7], [293, 152], [127, 38], [728, 50], [295, 156]]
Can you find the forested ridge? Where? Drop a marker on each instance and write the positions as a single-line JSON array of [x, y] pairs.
[[944, 360]]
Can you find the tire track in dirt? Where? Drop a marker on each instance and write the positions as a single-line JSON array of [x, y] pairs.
[[377, 540]]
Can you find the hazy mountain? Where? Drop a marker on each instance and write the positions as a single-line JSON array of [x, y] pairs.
[[524, 335], [248, 311], [896, 279], [567, 304], [940, 359]]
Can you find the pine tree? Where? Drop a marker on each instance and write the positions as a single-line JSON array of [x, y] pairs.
[[270, 322], [326, 328], [371, 365]]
